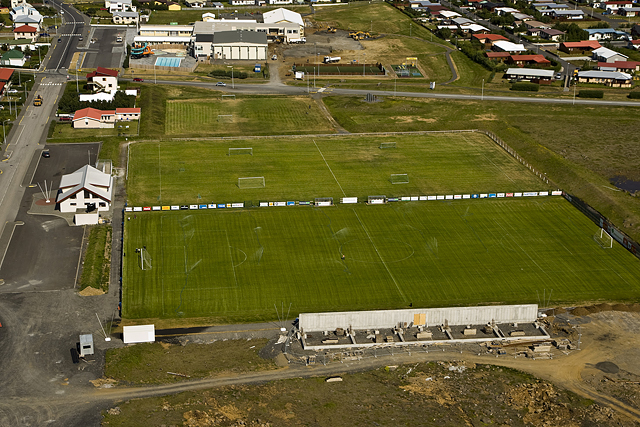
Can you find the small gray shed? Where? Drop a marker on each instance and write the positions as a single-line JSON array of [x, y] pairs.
[[86, 345]]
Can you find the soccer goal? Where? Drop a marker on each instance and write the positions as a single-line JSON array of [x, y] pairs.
[[387, 145], [251, 182], [604, 239], [225, 118], [399, 178], [228, 97], [377, 200], [145, 258], [235, 151]]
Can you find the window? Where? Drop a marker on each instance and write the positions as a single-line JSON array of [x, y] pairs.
[[103, 205], [73, 196], [72, 204], [87, 195]]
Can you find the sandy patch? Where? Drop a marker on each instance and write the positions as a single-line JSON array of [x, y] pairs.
[[89, 292]]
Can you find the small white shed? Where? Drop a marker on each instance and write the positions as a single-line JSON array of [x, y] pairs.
[[136, 334]]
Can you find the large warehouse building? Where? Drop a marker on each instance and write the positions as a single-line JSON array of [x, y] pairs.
[[239, 45]]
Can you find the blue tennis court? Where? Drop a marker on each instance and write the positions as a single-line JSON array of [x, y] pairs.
[[168, 62]]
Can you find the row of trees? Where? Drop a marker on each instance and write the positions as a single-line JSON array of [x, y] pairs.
[[70, 102]]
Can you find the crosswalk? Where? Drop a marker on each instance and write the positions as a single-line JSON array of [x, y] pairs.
[[70, 35], [51, 84]]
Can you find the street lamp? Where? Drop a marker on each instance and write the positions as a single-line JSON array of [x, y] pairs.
[[4, 135], [233, 86], [155, 77], [364, 62], [77, 86], [482, 96]]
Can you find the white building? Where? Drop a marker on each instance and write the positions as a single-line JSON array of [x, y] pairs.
[[281, 15], [604, 54], [125, 18], [87, 187], [119, 6], [239, 45], [103, 80], [507, 46], [26, 15]]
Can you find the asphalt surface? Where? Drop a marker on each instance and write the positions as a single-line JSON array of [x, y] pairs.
[[44, 251], [104, 51], [68, 36]]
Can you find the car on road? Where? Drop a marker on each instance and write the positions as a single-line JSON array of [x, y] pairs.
[[221, 84], [559, 76], [80, 38], [46, 154], [138, 79], [60, 40]]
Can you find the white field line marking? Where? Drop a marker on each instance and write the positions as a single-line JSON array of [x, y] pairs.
[[233, 267], [325, 162], [379, 256], [525, 252], [162, 245]]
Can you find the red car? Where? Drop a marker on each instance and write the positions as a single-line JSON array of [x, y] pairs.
[[138, 79]]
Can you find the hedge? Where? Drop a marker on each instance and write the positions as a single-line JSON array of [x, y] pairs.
[[525, 87], [591, 94], [634, 95]]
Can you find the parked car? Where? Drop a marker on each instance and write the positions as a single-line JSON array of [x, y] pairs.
[[221, 84], [46, 154], [80, 38], [138, 79], [60, 40]]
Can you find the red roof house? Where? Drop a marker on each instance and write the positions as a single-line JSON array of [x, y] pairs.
[[581, 46], [5, 74], [522, 60]]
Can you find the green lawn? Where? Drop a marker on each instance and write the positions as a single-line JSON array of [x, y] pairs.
[[566, 142], [66, 131], [97, 260], [237, 263], [295, 168], [248, 116]]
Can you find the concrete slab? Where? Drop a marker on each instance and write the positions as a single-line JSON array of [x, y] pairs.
[[104, 51]]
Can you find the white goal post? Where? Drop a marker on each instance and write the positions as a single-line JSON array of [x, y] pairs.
[[228, 96], [604, 239], [399, 178], [251, 182], [387, 145], [145, 258], [234, 151], [225, 118]]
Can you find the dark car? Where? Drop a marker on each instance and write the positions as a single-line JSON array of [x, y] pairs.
[[46, 154], [60, 40], [80, 38], [138, 79]]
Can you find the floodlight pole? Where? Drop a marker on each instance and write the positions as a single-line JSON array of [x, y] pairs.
[[482, 96], [77, 86], [4, 135], [233, 86], [155, 78], [364, 62]]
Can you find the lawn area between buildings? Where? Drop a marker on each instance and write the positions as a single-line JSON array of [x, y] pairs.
[[568, 143], [97, 259]]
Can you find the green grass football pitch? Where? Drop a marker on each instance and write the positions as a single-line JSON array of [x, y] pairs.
[[236, 264], [302, 168]]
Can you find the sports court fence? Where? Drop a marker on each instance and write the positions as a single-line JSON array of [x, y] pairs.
[[601, 221]]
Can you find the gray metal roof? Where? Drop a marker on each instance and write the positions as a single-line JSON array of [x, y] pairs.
[[204, 38], [530, 72], [252, 37]]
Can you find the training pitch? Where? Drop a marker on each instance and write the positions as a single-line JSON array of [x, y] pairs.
[[303, 168], [238, 263]]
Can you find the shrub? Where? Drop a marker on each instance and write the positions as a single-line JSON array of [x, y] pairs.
[[525, 87], [634, 95], [227, 74], [591, 94]]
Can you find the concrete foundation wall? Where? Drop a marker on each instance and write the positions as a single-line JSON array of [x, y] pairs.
[[310, 322]]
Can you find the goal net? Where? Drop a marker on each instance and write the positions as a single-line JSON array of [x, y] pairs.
[[324, 201], [225, 118], [399, 178], [234, 151], [251, 182], [387, 145], [377, 200], [228, 97], [604, 239], [145, 259]]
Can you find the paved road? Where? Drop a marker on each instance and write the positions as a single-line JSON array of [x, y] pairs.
[[69, 35]]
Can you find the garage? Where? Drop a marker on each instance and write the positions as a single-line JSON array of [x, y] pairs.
[[238, 45]]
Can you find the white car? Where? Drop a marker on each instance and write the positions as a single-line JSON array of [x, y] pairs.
[[221, 84]]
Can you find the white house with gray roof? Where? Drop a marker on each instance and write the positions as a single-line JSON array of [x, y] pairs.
[[84, 188]]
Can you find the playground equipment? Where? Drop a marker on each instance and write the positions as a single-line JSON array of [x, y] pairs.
[[411, 62], [140, 50]]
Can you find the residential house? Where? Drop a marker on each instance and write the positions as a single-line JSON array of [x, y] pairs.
[[13, 58], [522, 17], [85, 189], [568, 14], [461, 21], [504, 11], [195, 3], [420, 4], [579, 47], [448, 14], [629, 67], [25, 10], [119, 6], [474, 29], [613, 6], [603, 54], [507, 46], [606, 34], [536, 24], [629, 11], [5, 79], [635, 30], [551, 34], [206, 17], [488, 39], [25, 32], [491, 6], [608, 78], [535, 75], [522, 60], [103, 80], [498, 56], [634, 44], [217, 5], [125, 17]]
